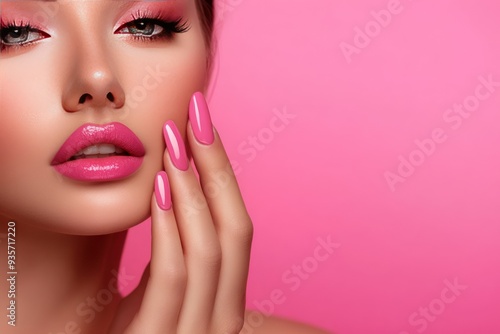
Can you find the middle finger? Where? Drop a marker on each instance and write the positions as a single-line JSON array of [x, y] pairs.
[[200, 242]]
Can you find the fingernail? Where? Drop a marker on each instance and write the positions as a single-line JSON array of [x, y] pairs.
[[162, 191], [201, 122], [175, 146]]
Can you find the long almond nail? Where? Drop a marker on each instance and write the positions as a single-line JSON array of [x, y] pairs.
[[162, 191], [201, 122], [175, 146]]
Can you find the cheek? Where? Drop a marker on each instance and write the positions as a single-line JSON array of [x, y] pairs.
[[30, 113], [24, 132], [25, 173], [160, 90]]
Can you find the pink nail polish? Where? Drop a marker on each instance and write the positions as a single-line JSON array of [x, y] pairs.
[[175, 145], [201, 122], [162, 191]]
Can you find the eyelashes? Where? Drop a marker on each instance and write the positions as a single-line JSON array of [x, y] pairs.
[[17, 34], [143, 26], [146, 26]]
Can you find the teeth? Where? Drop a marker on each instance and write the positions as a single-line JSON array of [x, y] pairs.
[[100, 149], [94, 149]]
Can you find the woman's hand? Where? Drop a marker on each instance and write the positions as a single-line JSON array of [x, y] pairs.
[[201, 239]]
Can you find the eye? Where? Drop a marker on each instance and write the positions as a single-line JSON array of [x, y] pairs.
[[19, 35], [145, 26]]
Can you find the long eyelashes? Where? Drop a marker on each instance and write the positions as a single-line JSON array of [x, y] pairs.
[[20, 31], [144, 26], [147, 26]]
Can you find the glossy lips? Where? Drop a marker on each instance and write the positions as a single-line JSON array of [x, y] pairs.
[[93, 139]]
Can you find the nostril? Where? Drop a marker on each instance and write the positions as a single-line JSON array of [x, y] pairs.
[[83, 98], [110, 97]]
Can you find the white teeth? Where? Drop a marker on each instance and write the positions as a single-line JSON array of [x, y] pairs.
[[94, 149], [100, 149], [106, 149]]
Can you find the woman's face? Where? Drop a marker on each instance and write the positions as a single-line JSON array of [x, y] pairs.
[[90, 69]]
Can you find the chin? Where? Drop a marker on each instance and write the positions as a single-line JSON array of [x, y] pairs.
[[91, 219], [82, 209], [105, 224]]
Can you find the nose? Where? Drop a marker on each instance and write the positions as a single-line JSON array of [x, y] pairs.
[[92, 82]]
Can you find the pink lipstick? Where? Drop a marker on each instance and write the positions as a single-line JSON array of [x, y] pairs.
[[100, 153]]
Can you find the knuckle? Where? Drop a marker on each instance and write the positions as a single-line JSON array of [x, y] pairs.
[[195, 203], [197, 198], [241, 229], [210, 255], [174, 274]]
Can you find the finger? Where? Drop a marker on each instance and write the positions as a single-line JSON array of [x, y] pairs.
[[199, 238], [165, 289], [232, 222]]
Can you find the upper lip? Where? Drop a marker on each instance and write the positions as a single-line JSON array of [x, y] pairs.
[[93, 134]]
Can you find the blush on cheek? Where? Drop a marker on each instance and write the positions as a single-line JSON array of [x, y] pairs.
[[14, 136], [24, 132], [160, 87]]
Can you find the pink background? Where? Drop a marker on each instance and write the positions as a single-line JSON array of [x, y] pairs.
[[323, 174]]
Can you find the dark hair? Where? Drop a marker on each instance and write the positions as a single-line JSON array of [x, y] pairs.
[[206, 13]]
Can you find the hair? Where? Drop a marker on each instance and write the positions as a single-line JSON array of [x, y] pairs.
[[206, 13]]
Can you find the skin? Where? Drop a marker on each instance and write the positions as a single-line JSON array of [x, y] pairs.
[[69, 234]]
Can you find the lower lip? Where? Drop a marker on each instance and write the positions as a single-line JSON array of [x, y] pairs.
[[100, 169]]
